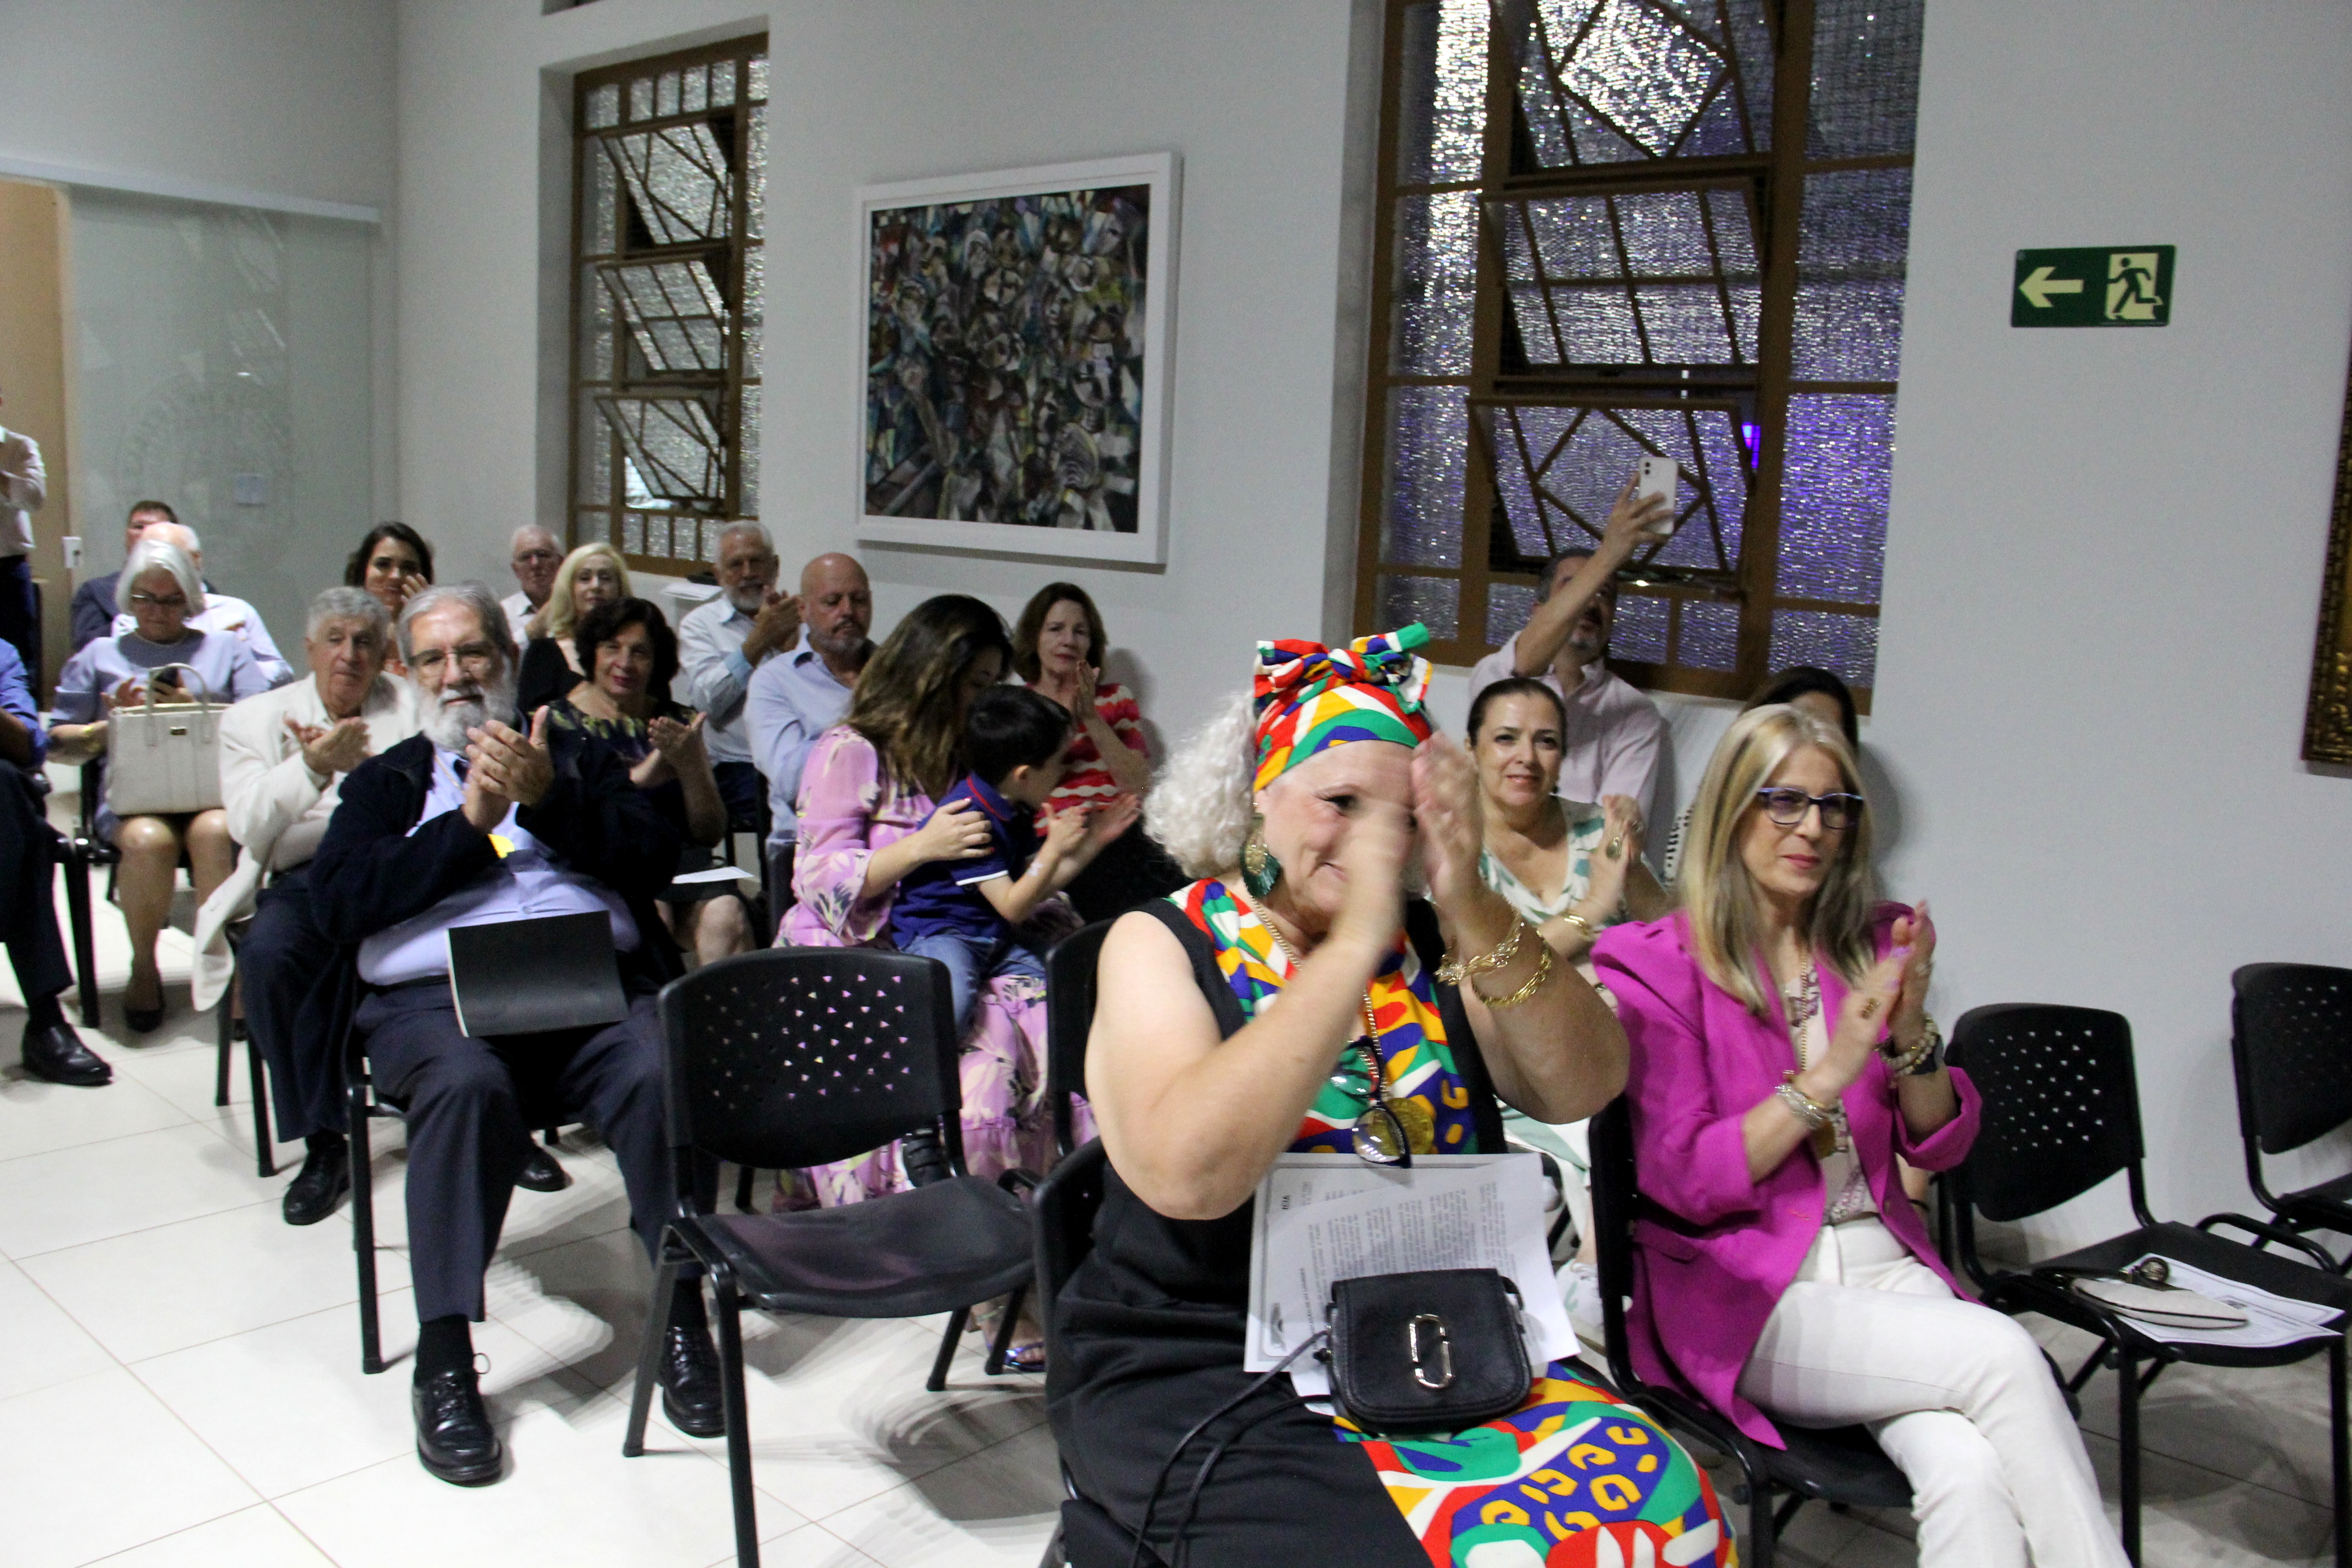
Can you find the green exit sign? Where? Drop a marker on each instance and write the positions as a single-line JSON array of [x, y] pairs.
[[2095, 286]]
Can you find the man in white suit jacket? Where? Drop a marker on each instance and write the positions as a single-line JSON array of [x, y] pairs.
[[283, 755]]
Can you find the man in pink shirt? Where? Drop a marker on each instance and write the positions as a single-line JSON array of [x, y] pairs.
[[1613, 730]]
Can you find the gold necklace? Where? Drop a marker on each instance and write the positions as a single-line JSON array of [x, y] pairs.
[[1389, 1131]]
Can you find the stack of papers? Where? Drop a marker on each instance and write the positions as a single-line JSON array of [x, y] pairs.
[[1322, 1218], [2271, 1320]]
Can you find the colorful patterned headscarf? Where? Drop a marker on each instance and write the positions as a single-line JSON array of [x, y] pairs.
[[1311, 698]]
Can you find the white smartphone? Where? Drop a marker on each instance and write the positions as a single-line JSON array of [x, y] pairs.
[[1658, 477]]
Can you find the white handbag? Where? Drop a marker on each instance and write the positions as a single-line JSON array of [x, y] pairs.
[[163, 758]]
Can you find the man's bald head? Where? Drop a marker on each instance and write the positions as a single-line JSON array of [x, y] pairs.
[[178, 534], [836, 608]]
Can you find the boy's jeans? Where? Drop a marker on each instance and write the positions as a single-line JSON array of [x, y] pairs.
[[970, 961]]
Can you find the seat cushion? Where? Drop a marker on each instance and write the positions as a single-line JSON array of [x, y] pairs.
[[932, 1249], [2278, 1273]]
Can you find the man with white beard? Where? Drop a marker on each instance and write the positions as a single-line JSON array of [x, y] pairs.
[[474, 823], [720, 644]]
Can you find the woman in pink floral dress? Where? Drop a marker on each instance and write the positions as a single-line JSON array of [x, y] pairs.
[[865, 796]]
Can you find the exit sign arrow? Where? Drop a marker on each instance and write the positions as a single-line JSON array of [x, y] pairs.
[[2093, 286], [2040, 285]]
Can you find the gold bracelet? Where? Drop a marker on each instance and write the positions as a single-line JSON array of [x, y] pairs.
[[1456, 971], [1543, 971], [1591, 933], [1808, 1109]]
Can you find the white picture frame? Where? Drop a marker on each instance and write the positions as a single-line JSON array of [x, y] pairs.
[[1038, 265]]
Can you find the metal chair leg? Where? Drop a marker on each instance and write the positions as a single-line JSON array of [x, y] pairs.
[[364, 1227], [2127, 1390], [743, 1190], [220, 1058], [265, 1159], [739, 1421], [1763, 1524], [2342, 1443], [85, 942], [956, 1320], [1003, 1340], [641, 1399]]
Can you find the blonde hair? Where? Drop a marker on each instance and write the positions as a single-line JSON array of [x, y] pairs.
[[1726, 917], [559, 617]]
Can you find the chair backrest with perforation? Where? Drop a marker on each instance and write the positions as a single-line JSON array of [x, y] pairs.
[[805, 1055], [1069, 1018], [2291, 1042], [2060, 1104]]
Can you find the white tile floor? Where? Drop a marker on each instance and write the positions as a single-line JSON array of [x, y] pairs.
[[180, 1383]]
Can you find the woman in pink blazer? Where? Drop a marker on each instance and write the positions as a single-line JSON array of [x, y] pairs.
[[1781, 1058]]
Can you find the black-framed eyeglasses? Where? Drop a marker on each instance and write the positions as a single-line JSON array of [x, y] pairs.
[[1788, 807], [161, 601]]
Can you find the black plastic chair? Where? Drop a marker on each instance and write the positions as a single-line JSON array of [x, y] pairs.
[[1842, 1466], [2291, 1047], [263, 1150], [2062, 1116], [797, 1057], [1069, 1018]]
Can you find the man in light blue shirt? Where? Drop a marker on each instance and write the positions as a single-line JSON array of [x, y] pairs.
[[722, 642], [795, 697]]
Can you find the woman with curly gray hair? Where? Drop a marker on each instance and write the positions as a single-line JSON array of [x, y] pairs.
[[1303, 811]]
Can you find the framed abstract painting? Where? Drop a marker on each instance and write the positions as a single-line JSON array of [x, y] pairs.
[[1014, 375]]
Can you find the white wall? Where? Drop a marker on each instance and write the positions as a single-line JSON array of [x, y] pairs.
[[1253, 95], [2105, 557], [288, 98]]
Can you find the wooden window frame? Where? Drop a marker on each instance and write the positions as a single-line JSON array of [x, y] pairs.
[[1779, 177]]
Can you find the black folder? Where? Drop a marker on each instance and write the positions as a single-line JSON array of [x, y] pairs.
[[527, 977]]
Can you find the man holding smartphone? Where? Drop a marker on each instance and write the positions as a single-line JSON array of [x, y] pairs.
[[1613, 730]]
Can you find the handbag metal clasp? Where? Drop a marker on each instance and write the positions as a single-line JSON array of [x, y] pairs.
[[1445, 1378]]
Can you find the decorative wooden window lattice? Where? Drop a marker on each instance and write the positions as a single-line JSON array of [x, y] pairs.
[[668, 298], [1609, 227]]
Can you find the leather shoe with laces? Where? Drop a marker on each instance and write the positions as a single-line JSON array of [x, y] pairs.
[[541, 1174], [454, 1439], [689, 1383], [325, 1176], [53, 1051]]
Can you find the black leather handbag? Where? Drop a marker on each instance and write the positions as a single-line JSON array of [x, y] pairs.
[[1438, 1351]]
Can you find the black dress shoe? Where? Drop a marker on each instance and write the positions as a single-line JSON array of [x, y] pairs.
[[325, 1176], [143, 1020], [689, 1383], [53, 1051], [540, 1174], [454, 1439]]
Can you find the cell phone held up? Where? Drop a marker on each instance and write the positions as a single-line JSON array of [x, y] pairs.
[[1658, 477]]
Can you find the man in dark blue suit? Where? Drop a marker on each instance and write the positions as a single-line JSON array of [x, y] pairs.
[[472, 823], [91, 614], [28, 913]]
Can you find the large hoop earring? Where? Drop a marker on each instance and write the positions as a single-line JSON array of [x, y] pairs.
[[1260, 870]]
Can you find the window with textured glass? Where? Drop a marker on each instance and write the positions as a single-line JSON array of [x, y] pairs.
[[1616, 227], [669, 268]]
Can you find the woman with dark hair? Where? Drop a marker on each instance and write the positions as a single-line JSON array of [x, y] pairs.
[[1782, 1060], [631, 655], [1816, 691], [865, 793], [394, 563], [1057, 649], [1570, 869]]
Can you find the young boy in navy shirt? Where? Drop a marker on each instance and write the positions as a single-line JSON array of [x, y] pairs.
[[963, 912]]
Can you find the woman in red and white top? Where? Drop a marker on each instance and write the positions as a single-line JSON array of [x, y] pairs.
[[1057, 649]]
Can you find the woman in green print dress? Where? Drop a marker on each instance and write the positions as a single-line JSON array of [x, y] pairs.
[[1299, 811]]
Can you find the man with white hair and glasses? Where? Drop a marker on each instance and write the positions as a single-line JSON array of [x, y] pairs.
[[474, 823], [534, 554], [720, 644]]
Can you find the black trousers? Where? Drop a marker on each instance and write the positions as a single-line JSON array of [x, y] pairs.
[[470, 1104], [19, 627], [281, 958], [28, 906], [742, 788]]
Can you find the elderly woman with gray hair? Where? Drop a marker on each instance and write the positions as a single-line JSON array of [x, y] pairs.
[[160, 590], [283, 756]]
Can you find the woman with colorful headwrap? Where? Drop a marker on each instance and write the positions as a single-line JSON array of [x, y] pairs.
[[1301, 812]]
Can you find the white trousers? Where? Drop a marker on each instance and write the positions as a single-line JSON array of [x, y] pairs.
[[1956, 1393]]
